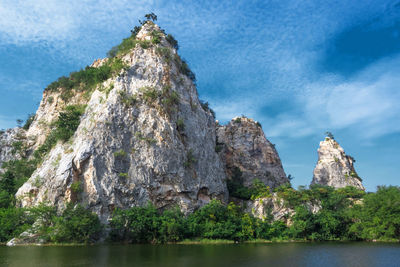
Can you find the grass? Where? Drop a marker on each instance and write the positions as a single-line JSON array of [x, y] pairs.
[[87, 79], [127, 100], [204, 241], [120, 153]]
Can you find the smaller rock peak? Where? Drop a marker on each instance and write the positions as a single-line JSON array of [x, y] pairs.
[[334, 167], [248, 155]]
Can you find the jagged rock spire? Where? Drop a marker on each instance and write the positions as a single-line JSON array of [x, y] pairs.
[[334, 167], [245, 149]]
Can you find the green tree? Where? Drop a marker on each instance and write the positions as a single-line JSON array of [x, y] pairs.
[[378, 217]]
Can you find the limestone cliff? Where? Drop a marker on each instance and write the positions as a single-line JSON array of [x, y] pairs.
[[275, 208], [334, 167], [144, 136], [10, 141], [243, 146]]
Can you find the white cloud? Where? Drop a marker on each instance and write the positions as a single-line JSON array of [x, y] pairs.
[[60, 20], [367, 105], [276, 49], [36, 20]]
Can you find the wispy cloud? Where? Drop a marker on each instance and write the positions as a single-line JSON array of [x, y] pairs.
[[248, 55], [368, 104]]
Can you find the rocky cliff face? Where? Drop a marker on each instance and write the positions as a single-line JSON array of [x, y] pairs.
[[334, 167], [9, 140], [52, 103], [144, 138], [274, 208], [243, 147]]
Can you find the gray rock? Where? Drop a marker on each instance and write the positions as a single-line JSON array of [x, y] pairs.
[[244, 146], [334, 167], [132, 148], [7, 139], [275, 209]]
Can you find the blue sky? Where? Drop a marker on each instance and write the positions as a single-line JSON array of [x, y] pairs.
[[301, 68]]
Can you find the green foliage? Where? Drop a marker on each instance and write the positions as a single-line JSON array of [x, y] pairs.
[[238, 120], [171, 98], [13, 222], [64, 128], [180, 125], [16, 173], [331, 222], [164, 52], [123, 175], [120, 153], [17, 147], [136, 225], [68, 121], [29, 121], [236, 188], [149, 140], [339, 218], [219, 147], [184, 69], [76, 187], [171, 40], [330, 135], [144, 43], [75, 225], [213, 221], [19, 122], [149, 94], [155, 37], [172, 226], [206, 107], [190, 159], [128, 100], [260, 190], [378, 217], [87, 79], [151, 16], [7, 189], [135, 30]]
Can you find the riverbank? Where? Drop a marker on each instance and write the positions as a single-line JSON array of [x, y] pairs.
[[206, 241]]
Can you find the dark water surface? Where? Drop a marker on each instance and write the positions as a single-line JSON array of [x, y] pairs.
[[277, 254]]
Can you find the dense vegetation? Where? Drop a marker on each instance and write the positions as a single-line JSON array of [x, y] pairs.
[[344, 214]]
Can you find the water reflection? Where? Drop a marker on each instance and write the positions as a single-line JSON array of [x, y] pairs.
[[285, 254]]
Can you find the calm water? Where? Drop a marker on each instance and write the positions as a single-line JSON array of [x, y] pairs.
[[298, 254]]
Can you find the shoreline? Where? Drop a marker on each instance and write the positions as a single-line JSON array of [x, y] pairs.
[[200, 242]]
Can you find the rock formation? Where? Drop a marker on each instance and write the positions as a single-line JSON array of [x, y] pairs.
[[334, 167], [272, 206], [144, 136], [9, 139], [243, 146]]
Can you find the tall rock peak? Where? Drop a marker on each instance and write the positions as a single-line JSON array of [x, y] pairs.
[[243, 147], [143, 136], [334, 167]]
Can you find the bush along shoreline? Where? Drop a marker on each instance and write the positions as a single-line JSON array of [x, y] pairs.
[[345, 214]]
